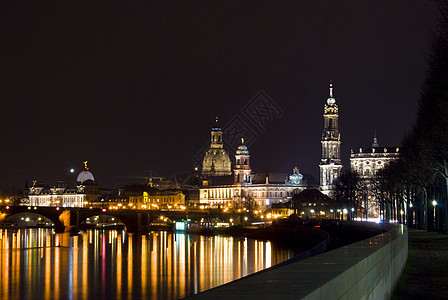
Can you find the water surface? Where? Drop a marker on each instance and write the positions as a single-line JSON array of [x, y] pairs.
[[96, 264]]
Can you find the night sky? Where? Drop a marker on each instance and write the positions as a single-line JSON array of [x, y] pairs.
[[137, 87]]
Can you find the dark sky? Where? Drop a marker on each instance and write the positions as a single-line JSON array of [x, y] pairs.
[[136, 86]]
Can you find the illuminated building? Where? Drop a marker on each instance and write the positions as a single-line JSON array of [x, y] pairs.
[[312, 203], [244, 189], [216, 160], [60, 194], [330, 164], [367, 162], [158, 200]]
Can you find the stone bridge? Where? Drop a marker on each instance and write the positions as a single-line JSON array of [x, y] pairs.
[[67, 219]]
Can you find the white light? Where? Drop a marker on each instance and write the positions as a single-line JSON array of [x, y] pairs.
[[410, 205], [72, 170], [331, 210], [353, 209], [344, 211], [434, 202], [312, 211]]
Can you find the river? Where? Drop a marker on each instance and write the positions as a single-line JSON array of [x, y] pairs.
[[96, 264]]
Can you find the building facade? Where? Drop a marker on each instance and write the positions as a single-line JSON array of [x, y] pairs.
[[58, 195], [330, 165], [366, 163]]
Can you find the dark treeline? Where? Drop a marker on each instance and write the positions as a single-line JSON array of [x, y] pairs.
[[413, 189]]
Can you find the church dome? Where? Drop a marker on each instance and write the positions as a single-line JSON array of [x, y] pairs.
[[84, 176], [216, 162]]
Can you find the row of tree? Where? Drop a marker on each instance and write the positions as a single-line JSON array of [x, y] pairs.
[[414, 189]]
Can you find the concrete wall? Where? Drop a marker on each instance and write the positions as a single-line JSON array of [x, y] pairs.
[[369, 269]]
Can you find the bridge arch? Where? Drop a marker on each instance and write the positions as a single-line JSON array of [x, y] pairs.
[[28, 219], [56, 216], [97, 220]]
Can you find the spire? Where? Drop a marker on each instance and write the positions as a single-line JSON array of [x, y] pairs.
[[331, 101], [216, 127], [375, 141]]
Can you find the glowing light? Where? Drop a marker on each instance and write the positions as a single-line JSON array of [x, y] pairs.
[[312, 211], [345, 211], [103, 210], [72, 170], [245, 218], [57, 208], [434, 202]]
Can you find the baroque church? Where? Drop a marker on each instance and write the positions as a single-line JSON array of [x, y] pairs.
[[239, 187]]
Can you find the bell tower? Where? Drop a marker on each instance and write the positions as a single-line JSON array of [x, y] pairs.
[[242, 169], [330, 165]]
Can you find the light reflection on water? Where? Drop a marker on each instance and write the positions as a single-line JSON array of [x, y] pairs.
[[38, 264]]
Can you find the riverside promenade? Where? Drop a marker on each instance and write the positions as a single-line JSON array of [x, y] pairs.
[[426, 273]]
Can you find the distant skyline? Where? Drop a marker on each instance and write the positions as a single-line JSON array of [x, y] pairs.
[[136, 87]]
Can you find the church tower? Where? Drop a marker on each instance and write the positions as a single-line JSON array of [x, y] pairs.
[[242, 164], [330, 164]]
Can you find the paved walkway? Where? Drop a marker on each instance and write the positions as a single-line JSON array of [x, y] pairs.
[[426, 272]]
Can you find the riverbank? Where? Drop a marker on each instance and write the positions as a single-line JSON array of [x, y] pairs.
[[425, 274], [305, 234]]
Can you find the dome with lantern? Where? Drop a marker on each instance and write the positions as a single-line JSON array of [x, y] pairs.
[[85, 176]]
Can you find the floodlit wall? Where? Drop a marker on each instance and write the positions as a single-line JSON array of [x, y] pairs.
[[369, 269]]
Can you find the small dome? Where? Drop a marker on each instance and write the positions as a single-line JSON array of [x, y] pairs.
[[242, 150], [84, 176]]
